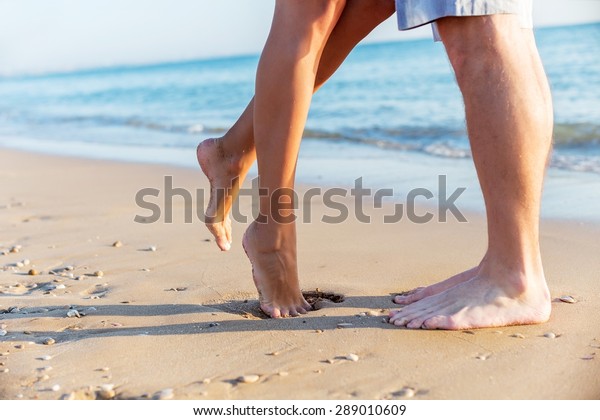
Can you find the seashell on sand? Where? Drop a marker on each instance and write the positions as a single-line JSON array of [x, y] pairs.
[[406, 392], [165, 394], [352, 357], [248, 379], [73, 313]]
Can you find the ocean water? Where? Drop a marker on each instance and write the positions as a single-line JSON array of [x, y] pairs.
[[394, 101]]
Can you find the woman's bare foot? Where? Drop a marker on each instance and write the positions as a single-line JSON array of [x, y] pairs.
[[419, 293], [225, 173], [489, 299], [272, 253]]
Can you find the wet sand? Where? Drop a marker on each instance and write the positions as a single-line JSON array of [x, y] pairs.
[[167, 315]]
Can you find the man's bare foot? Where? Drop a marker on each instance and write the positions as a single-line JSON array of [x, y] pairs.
[[225, 173], [486, 300], [419, 293], [275, 269]]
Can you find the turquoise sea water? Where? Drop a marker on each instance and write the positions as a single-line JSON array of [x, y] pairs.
[[394, 101]]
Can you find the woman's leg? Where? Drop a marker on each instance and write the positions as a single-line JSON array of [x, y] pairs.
[[284, 85], [226, 160]]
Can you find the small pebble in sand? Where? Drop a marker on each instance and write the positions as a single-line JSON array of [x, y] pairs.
[[568, 299], [361, 314], [373, 313], [550, 335], [517, 335], [33, 272], [213, 324], [15, 249], [60, 286], [86, 393], [73, 313], [19, 264], [206, 381], [152, 248], [20, 346], [483, 356], [248, 379], [48, 341], [25, 262], [99, 274], [55, 388], [4, 370], [405, 392], [319, 331], [3, 333], [106, 392], [352, 357], [344, 325], [45, 358], [103, 369], [165, 394], [117, 244], [45, 369], [283, 373]]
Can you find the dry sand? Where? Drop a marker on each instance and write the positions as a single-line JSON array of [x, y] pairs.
[[185, 316]]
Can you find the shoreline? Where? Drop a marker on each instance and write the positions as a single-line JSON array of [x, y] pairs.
[[568, 195], [185, 317]]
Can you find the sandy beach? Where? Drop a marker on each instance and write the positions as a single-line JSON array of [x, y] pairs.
[[164, 314]]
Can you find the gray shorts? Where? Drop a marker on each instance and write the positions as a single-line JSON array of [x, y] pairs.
[[413, 13]]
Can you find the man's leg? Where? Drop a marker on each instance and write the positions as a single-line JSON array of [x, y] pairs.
[[509, 121], [226, 160]]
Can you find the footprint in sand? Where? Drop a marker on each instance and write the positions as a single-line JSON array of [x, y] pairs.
[[319, 299]]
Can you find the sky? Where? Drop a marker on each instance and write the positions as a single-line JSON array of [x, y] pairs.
[[41, 36]]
